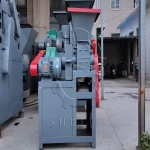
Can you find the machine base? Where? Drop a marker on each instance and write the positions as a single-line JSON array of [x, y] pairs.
[[84, 139], [59, 119]]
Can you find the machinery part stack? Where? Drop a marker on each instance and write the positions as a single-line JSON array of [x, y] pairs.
[[83, 36], [63, 18], [11, 71], [28, 36], [68, 75]]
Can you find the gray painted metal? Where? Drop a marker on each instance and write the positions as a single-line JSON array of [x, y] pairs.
[[62, 17], [66, 33], [68, 62], [11, 71], [83, 56], [80, 3], [57, 111], [142, 68], [14, 14], [27, 43], [82, 25], [59, 97], [30, 35], [25, 63]]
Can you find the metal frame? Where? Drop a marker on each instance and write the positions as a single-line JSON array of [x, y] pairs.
[[68, 107]]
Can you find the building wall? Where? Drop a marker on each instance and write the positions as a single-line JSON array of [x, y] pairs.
[[132, 27], [112, 18], [38, 15], [148, 42]]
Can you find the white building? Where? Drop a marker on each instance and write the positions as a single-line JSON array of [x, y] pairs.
[[39, 14], [116, 48], [129, 27], [115, 11]]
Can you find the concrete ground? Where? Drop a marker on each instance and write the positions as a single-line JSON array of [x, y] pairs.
[[117, 122]]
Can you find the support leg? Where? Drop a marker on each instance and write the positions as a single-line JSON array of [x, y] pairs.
[[94, 144], [88, 115], [41, 147], [93, 123]]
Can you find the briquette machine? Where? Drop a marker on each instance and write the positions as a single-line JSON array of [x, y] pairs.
[[67, 67]]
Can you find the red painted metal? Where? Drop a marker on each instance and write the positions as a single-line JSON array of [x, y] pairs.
[[94, 46], [96, 67], [34, 64], [83, 10], [97, 80]]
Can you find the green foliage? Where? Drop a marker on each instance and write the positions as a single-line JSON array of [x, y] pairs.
[[145, 141]]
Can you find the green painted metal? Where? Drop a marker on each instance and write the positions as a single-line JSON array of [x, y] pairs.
[[51, 52], [52, 33]]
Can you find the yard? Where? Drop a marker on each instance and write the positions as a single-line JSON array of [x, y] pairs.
[[117, 122]]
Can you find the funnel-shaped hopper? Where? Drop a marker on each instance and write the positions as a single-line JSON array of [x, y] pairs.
[[82, 22], [62, 17], [79, 3], [28, 36]]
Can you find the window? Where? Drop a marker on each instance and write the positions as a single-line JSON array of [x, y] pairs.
[[22, 9], [114, 4]]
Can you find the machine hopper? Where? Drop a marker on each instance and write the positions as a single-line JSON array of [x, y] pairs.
[[27, 39], [82, 22], [79, 3], [62, 17]]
